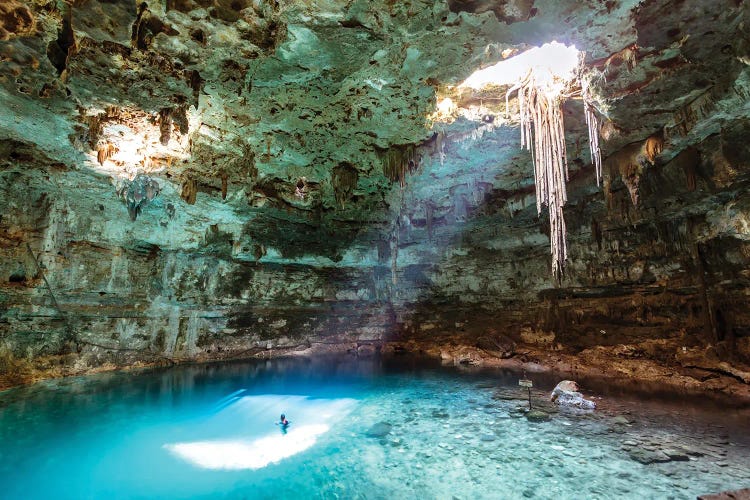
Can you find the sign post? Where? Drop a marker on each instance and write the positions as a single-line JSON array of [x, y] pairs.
[[524, 382]]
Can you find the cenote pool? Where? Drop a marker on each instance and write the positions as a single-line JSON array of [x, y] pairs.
[[360, 429]]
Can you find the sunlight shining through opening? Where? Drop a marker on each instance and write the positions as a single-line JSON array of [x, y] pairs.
[[553, 65]]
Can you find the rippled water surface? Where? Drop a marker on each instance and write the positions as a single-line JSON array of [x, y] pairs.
[[360, 429]]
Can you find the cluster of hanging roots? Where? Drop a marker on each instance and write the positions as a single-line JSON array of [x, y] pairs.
[[543, 133]]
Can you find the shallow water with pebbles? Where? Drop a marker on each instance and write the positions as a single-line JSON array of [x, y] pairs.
[[360, 429]]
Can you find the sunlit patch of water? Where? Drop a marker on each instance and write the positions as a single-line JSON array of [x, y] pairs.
[[258, 445]]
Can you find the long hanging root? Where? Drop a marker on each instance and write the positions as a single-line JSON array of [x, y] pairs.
[[543, 133], [592, 121]]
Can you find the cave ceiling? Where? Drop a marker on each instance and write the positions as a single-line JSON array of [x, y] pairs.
[[304, 129]]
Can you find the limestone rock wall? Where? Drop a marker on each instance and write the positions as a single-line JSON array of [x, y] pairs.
[[309, 195]]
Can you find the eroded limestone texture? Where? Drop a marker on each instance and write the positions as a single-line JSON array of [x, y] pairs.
[[311, 197]]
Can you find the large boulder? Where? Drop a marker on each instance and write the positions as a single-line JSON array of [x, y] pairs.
[[566, 394]]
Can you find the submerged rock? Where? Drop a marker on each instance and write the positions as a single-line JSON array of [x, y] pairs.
[[676, 455], [692, 451], [537, 416], [381, 429], [649, 457]]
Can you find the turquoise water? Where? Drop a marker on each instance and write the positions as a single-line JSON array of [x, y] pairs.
[[209, 431]]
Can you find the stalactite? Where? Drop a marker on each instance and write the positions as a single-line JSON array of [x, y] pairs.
[[628, 56], [61, 49], [344, 181], [224, 184], [165, 126], [104, 152], [146, 27], [473, 134], [189, 190], [631, 161], [631, 177], [180, 117], [653, 146], [398, 161], [138, 193], [196, 83]]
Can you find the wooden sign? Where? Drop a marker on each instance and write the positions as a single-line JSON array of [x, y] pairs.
[[524, 382]]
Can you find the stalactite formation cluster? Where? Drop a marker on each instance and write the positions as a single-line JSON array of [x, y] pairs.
[[344, 180], [630, 162], [398, 161], [138, 193], [104, 152]]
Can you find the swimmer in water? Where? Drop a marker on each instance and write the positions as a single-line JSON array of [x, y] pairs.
[[283, 423]]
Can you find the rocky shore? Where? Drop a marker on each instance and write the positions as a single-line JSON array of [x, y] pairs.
[[604, 366], [702, 376]]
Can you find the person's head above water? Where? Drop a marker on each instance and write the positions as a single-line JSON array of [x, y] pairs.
[[283, 416], [283, 419]]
